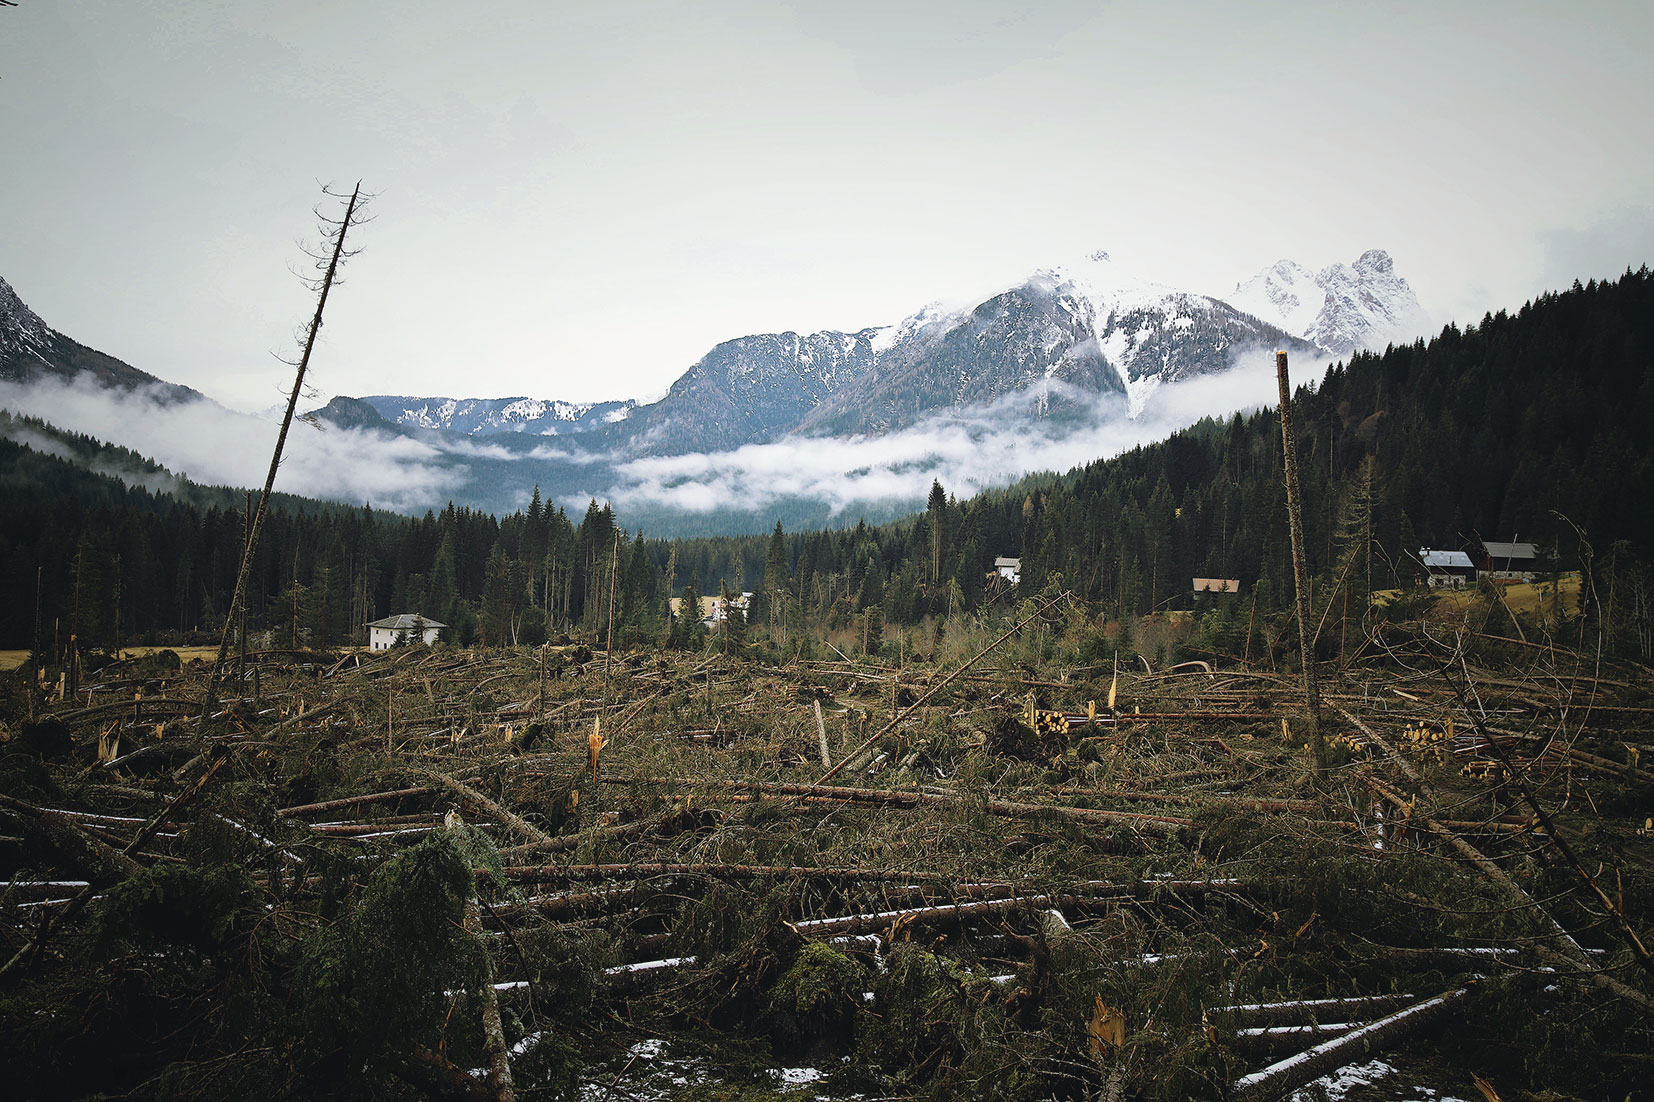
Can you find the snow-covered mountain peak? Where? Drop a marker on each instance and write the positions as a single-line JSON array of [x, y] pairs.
[[1107, 286], [1341, 308], [1375, 261], [1285, 294]]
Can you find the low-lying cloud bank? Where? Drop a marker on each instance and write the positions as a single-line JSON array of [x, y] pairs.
[[967, 450], [1053, 429], [212, 445]]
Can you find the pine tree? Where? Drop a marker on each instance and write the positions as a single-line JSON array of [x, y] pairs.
[[688, 632], [936, 511], [774, 587], [732, 629]]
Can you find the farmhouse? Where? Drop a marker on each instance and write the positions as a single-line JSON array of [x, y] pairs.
[[713, 610], [1449, 569], [1009, 569], [409, 627], [1516, 562], [1217, 585]]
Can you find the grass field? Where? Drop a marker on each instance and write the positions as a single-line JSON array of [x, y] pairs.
[[1537, 598], [12, 659]]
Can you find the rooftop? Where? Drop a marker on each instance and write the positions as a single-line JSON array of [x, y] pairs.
[[407, 621]]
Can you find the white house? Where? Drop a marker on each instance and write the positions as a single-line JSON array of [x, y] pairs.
[[713, 610], [1009, 569], [408, 626]]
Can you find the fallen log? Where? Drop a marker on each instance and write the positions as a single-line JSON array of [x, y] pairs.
[[1273, 1039], [1302, 1010], [926, 916], [1293, 1072], [550, 874], [352, 801], [478, 800], [69, 844], [1244, 803], [1565, 949], [895, 798]]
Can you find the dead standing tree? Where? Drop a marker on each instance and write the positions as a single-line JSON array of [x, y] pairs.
[[1300, 568], [327, 261]]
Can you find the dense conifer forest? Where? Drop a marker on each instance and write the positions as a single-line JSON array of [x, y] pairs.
[[1523, 426]]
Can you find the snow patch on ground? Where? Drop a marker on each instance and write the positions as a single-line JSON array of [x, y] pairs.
[[1352, 1077], [1343, 1081], [649, 1071]]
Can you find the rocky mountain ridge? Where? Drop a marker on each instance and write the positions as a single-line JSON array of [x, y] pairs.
[[30, 349], [1062, 337], [485, 416]]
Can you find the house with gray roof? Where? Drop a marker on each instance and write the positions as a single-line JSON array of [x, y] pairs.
[[408, 627], [1450, 569]]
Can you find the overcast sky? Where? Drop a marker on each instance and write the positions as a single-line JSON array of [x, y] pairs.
[[577, 201]]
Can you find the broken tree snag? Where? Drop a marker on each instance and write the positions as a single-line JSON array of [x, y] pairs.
[[1300, 567], [821, 735], [1374, 1037]]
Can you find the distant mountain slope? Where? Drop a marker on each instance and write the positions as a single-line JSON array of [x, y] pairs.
[[29, 348], [486, 416], [749, 390]]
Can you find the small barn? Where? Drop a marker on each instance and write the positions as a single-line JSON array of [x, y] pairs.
[[1447, 569], [1516, 562], [1217, 585], [1009, 569], [407, 627]]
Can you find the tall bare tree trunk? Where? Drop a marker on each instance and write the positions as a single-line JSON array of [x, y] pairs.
[[238, 599], [1300, 567]]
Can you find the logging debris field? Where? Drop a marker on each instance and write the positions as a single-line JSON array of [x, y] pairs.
[[481, 874]]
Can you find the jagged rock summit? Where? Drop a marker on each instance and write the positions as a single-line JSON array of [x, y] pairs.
[[23, 336], [1341, 308]]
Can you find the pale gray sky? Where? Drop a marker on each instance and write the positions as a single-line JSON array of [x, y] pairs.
[[577, 201]]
